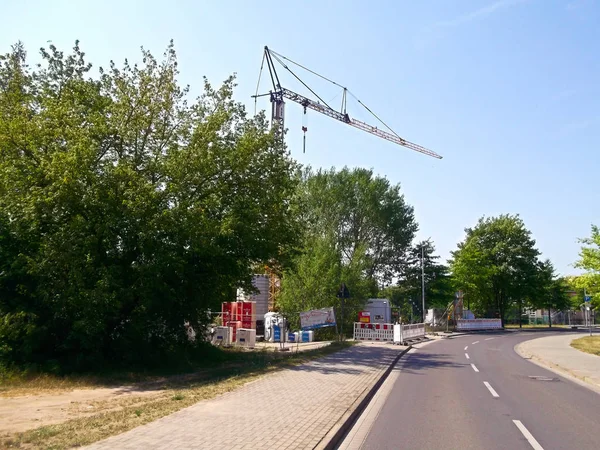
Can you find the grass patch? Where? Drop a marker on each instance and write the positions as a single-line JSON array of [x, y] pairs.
[[512, 326], [589, 344], [118, 416]]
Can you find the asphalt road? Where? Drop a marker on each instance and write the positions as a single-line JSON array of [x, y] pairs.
[[475, 392]]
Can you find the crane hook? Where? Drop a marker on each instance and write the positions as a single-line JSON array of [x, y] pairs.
[[304, 130]]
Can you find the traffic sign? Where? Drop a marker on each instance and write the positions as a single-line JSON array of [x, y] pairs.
[[588, 298]]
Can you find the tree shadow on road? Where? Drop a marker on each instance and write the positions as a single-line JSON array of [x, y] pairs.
[[354, 360], [418, 363]]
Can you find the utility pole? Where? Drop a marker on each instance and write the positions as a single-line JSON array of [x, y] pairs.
[[423, 281]]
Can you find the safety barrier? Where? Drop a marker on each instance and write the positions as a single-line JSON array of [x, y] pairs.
[[478, 324], [373, 332], [403, 333], [386, 332]]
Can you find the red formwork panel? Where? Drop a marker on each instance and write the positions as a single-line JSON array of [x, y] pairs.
[[248, 315]]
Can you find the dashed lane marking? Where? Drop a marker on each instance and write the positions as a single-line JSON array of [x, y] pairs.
[[491, 389], [535, 444]]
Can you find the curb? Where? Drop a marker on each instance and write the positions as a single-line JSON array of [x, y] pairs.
[[347, 421], [555, 368]]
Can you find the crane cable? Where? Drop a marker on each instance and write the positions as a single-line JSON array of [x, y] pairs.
[[298, 78], [277, 55]]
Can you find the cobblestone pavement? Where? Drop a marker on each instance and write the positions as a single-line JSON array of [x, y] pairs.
[[289, 409]]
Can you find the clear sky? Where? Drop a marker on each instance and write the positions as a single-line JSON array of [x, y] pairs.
[[506, 90]]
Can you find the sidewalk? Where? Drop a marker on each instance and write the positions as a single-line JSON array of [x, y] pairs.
[[300, 407], [555, 353]]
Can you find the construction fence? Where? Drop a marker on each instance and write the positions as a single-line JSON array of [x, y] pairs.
[[387, 332]]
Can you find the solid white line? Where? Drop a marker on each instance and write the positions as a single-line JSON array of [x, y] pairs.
[[535, 444], [467, 355], [489, 339], [466, 347], [474, 368], [491, 389], [476, 342]]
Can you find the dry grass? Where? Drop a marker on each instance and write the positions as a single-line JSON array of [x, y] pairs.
[[36, 384], [117, 416], [589, 344]]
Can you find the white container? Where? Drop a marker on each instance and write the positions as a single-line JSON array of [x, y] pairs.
[[246, 337], [380, 309], [307, 336], [222, 336]]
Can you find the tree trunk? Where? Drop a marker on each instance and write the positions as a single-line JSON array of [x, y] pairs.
[[550, 317], [520, 313]]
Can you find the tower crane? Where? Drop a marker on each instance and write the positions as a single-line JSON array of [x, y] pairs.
[[279, 93]]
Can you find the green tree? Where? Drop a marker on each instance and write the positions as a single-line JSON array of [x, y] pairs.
[[496, 264], [590, 262], [125, 209], [549, 291], [357, 230]]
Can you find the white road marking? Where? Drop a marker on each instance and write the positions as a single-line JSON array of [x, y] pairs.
[[476, 342], [535, 444], [491, 389], [466, 347], [474, 368], [489, 339], [467, 355]]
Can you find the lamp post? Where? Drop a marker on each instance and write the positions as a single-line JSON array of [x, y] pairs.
[[423, 282]]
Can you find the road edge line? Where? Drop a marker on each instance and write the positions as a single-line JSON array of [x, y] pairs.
[[354, 412]]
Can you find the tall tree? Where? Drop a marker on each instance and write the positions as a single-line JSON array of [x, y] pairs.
[[589, 260], [357, 230], [549, 292], [364, 214], [126, 210], [496, 263]]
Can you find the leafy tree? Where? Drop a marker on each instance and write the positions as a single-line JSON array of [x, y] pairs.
[[357, 230], [590, 262], [549, 292], [125, 209], [496, 264], [364, 214]]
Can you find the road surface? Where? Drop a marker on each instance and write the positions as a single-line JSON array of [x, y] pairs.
[[475, 392]]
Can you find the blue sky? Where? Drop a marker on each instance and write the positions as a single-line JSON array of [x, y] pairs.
[[507, 91]]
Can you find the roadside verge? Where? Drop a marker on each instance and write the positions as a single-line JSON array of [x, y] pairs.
[[556, 354]]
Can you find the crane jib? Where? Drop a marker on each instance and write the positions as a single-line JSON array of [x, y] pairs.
[[279, 93]]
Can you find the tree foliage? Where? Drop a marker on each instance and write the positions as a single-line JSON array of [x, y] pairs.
[[439, 287], [357, 230], [590, 262], [126, 209], [496, 264]]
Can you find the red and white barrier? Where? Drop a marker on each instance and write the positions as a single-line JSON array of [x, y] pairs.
[[478, 324], [383, 332], [386, 332]]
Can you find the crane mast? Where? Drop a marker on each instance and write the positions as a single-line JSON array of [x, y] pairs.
[[279, 93]]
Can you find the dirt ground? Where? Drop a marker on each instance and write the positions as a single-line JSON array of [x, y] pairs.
[[21, 411], [26, 412]]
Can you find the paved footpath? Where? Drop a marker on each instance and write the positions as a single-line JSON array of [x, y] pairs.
[[556, 353], [300, 407]]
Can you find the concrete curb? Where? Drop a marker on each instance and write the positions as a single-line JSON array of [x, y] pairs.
[[555, 368], [337, 433]]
